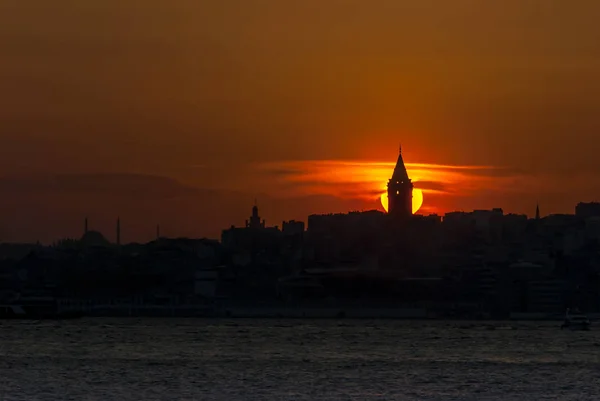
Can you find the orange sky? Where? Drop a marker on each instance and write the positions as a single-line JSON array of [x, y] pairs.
[[194, 108]]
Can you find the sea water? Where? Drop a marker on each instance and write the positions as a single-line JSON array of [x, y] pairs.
[[239, 359]]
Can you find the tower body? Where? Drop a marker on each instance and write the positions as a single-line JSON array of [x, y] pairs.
[[400, 191]]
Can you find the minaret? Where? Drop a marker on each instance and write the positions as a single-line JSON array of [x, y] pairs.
[[537, 211], [400, 189], [118, 231]]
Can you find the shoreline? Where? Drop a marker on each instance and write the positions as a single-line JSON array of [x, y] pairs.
[[329, 313]]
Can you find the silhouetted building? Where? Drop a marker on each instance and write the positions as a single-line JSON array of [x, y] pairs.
[[481, 219], [346, 224], [431, 218], [255, 221], [94, 239], [292, 227], [344, 238], [586, 210], [254, 234], [400, 190]]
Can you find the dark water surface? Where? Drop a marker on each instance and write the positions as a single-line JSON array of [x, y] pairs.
[[188, 359]]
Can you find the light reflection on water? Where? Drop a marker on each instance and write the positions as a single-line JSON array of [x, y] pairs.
[[187, 359]]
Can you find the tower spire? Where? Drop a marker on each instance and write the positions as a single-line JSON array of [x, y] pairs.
[[400, 173], [537, 211]]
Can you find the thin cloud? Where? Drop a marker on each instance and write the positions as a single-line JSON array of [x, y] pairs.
[[432, 186], [118, 184], [368, 180]]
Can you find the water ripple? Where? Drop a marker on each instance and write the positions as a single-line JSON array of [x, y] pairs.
[[189, 359]]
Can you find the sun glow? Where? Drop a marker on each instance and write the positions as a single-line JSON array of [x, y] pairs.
[[417, 200], [364, 182]]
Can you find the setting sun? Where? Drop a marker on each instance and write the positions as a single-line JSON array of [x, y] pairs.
[[417, 200]]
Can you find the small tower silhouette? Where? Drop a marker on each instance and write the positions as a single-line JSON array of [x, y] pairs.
[[85, 226], [537, 211], [157, 232], [255, 221], [118, 231]]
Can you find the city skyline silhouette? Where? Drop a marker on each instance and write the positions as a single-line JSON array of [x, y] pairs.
[[184, 115], [313, 187], [310, 199]]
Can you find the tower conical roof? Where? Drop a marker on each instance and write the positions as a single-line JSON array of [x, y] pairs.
[[400, 173]]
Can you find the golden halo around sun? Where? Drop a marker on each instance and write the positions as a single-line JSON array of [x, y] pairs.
[[417, 200]]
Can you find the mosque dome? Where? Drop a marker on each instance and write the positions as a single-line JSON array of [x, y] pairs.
[[94, 238]]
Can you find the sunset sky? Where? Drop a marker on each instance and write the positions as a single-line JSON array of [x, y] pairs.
[[183, 112]]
